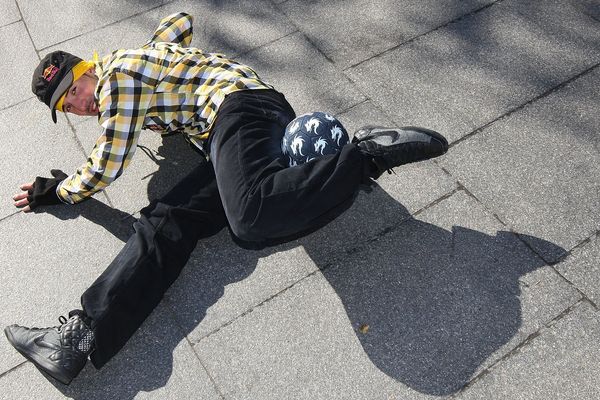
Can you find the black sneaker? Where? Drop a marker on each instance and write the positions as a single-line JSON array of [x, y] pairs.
[[60, 351], [392, 147]]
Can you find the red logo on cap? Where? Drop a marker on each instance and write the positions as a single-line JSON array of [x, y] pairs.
[[50, 72]]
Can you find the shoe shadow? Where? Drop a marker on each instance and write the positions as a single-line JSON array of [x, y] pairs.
[[440, 299]]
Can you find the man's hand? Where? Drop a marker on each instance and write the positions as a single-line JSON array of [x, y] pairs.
[[40, 192], [21, 200]]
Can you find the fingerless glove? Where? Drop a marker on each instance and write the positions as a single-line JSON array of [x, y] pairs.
[[44, 190]]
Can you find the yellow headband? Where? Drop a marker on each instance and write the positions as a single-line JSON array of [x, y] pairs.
[[78, 70]]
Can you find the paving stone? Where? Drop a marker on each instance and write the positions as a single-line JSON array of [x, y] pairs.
[[44, 271], [35, 146], [356, 30], [49, 24], [227, 28], [446, 294], [157, 165], [223, 281], [308, 80], [366, 113], [560, 363], [431, 304], [10, 12], [157, 363], [539, 168], [17, 52], [467, 74], [298, 345], [583, 269], [235, 27]]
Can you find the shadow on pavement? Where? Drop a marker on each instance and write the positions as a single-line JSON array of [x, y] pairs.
[[438, 302], [115, 221]]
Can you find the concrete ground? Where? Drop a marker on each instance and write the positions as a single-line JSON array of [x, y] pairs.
[[474, 276]]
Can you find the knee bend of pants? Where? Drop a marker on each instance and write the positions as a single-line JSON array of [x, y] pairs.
[[246, 232], [262, 227]]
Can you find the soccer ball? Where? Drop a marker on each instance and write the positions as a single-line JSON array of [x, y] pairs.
[[312, 135]]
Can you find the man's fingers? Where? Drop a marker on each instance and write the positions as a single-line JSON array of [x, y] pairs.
[[26, 186], [21, 203], [20, 196], [27, 209]]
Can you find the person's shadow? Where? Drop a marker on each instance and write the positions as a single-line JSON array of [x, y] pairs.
[[437, 301]]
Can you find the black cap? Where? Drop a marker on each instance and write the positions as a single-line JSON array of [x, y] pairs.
[[52, 78]]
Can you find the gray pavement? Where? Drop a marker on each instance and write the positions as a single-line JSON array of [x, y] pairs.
[[473, 276]]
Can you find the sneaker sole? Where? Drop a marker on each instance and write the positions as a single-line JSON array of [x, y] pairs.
[[38, 361]]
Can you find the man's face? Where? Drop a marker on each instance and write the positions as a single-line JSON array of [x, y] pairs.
[[80, 96]]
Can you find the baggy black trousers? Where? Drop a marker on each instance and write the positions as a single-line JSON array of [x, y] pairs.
[[247, 186]]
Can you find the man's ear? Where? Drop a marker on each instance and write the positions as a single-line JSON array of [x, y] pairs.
[[90, 72]]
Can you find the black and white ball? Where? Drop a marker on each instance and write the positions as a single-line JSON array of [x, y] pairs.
[[312, 135]]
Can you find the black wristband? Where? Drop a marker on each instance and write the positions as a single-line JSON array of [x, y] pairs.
[[44, 190]]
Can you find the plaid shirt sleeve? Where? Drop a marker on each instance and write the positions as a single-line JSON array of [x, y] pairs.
[[125, 101], [176, 28]]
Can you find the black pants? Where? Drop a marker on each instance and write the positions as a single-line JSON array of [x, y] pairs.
[[246, 186]]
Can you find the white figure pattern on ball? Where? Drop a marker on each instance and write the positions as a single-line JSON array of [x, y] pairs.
[[297, 144], [336, 134], [312, 125], [320, 144], [295, 127]]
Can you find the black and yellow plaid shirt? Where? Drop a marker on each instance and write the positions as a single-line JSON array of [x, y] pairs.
[[164, 86]]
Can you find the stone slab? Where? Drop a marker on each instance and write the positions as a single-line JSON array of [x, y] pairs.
[[303, 74], [413, 315], [227, 27], [461, 77], [34, 146], [362, 114], [446, 294], [298, 345], [360, 29], [157, 363], [539, 168], [222, 282], [10, 12], [582, 268], [235, 27], [17, 52], [49, 24], [560, 363], [49, 259]]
